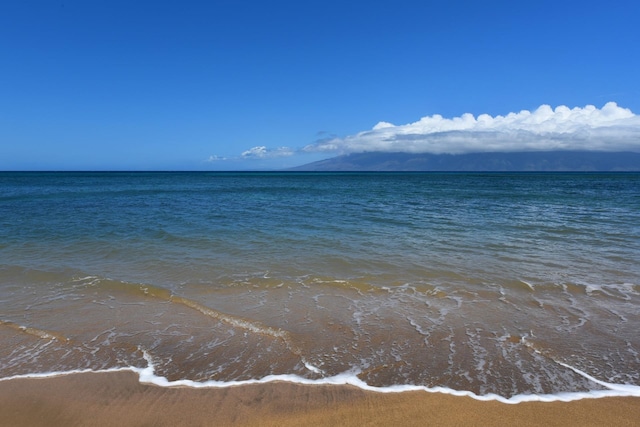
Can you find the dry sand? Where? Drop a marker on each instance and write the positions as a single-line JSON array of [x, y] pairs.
[[118, 399]]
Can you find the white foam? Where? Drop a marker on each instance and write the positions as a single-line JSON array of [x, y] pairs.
[[70, 372], [82, 279], [147, 376], [312, 368], [528, 284], [616, 290], [350, 378]]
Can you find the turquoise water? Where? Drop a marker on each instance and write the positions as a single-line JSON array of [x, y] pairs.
[[482, 282]]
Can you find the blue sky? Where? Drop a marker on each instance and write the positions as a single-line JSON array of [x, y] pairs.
[[137, 85]]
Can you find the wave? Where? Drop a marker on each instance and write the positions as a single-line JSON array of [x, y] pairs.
[[402, 338], [147, 375], [247, 325], [38, 333], [251, 326]]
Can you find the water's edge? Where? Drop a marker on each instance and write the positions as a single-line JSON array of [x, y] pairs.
[[147, 376]]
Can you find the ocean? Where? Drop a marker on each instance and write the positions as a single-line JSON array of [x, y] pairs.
[[506, 286]]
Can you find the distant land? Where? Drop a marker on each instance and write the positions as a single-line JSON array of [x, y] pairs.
[[537, 161]]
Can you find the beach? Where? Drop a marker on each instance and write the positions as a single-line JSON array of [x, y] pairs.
[[119, 399]]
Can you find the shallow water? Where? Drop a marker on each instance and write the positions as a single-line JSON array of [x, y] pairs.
[[490, 283]]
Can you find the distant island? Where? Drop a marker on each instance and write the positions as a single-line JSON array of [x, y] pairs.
[[535, 161]]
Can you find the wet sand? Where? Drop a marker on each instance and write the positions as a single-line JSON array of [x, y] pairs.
[[118, 399]]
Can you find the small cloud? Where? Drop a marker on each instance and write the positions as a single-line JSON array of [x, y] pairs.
[[255, 152], [610, 128], [262, 152], [214, 158]]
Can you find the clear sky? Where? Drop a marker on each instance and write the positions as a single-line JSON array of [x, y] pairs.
[[220, 84]]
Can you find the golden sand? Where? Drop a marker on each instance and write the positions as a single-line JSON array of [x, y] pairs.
[[118, 399]]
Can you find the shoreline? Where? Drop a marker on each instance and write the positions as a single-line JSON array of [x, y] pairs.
[[118, 398]]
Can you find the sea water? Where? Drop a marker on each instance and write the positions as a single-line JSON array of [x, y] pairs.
[[508, 286]]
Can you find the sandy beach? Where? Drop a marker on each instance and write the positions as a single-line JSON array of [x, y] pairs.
[[118, 399]]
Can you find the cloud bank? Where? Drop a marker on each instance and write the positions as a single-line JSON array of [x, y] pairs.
[[610, 128]]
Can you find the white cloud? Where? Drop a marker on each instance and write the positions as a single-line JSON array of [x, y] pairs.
[[262, 152], [214, 158], [610, 128], [255, 152]]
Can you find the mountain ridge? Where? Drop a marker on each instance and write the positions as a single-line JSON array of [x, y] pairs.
[[530, 161]]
